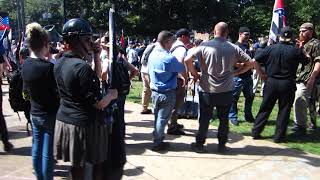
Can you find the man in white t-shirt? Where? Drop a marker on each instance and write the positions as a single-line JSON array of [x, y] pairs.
[[179, 50]]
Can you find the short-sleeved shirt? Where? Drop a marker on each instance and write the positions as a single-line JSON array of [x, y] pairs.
[[179, 50], [79, 89], [163, 69], [144, 67], [217, 59], [281, 60], [245, 47], [39, 82], [132, 56], [312, 48]]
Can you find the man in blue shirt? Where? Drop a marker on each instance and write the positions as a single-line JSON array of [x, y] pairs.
[[163, 71]]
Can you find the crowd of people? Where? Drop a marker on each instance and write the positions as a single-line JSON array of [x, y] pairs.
[[77, 115]]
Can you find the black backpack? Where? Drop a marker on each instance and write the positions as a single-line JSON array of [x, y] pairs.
[[16, 100], [121, 77]]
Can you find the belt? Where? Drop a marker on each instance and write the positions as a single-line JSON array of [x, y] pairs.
[[163, 91]]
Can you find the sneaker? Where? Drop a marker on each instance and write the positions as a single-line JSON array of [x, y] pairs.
[[198, 148], [175, 131], [312, 126], [279, 140], [298, 131], [160, 147], [7, 146], [301, 132], [257, 137], [298, 128], [180, 126], [222, 148], [146, 111], [235, 122]]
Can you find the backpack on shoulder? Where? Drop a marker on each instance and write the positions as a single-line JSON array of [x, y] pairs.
[[146, 54], [16, 100]]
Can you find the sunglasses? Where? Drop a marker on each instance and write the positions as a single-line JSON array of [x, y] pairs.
[[304, 30]]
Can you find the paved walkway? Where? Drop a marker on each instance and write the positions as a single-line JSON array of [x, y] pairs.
[[248, 159]]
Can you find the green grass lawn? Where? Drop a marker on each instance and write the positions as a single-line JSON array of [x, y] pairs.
[[310, 143]]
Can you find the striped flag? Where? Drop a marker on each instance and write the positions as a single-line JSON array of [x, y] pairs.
[[278, 21], [4, 21]]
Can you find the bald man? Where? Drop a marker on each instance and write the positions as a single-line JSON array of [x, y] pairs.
[[217, 58]]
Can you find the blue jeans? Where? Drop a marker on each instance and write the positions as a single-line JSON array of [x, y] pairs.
[[246, 86], [163, 104], [42, 145]]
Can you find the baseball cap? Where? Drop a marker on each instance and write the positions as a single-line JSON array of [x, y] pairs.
[[244, 29], [182, 32], [286, 34], [306, 26]]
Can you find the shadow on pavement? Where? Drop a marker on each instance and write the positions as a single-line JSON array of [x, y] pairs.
[[19, 134], [142, 123], [23, 151], [136, 171]]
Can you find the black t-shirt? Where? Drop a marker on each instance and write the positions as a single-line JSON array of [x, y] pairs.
[[245, 48], [79, 89], [39, 82], [281, 60]]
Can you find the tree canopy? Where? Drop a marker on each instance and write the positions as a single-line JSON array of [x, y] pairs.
[[148, 17]]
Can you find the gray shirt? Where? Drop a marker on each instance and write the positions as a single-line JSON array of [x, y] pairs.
[[217, 59]]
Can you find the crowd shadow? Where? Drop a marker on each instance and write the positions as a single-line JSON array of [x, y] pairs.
[[128, 111], [23, 151], [248, 150], [136, 171], [141, 123], [19, 134], [143, 141]]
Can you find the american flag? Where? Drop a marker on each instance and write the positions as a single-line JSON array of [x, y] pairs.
[[278, 20]]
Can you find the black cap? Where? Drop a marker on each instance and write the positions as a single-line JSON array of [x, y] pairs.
[[76, 26], [244, 29], [182, 31], [286, 34]]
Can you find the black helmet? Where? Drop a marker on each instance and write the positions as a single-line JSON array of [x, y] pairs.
[[76, 26]]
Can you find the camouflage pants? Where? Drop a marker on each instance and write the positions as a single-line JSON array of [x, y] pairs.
[[315, 98]]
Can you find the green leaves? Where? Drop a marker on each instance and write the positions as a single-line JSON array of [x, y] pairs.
[[148, 17]]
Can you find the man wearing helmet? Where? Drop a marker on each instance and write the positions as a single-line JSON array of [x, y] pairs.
[[80, 136]]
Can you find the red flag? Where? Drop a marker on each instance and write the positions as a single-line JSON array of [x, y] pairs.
[[122, 39], [278, 20]]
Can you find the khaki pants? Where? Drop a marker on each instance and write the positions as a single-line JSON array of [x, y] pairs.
[[301, 104], [146, 92]]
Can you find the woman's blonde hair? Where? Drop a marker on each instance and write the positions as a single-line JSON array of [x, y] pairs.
[[37, 37]]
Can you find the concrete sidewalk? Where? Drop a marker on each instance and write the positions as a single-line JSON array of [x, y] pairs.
[[248, 159]]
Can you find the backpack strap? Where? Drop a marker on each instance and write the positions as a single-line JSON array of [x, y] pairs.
[[146, 55], [176, 47]]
